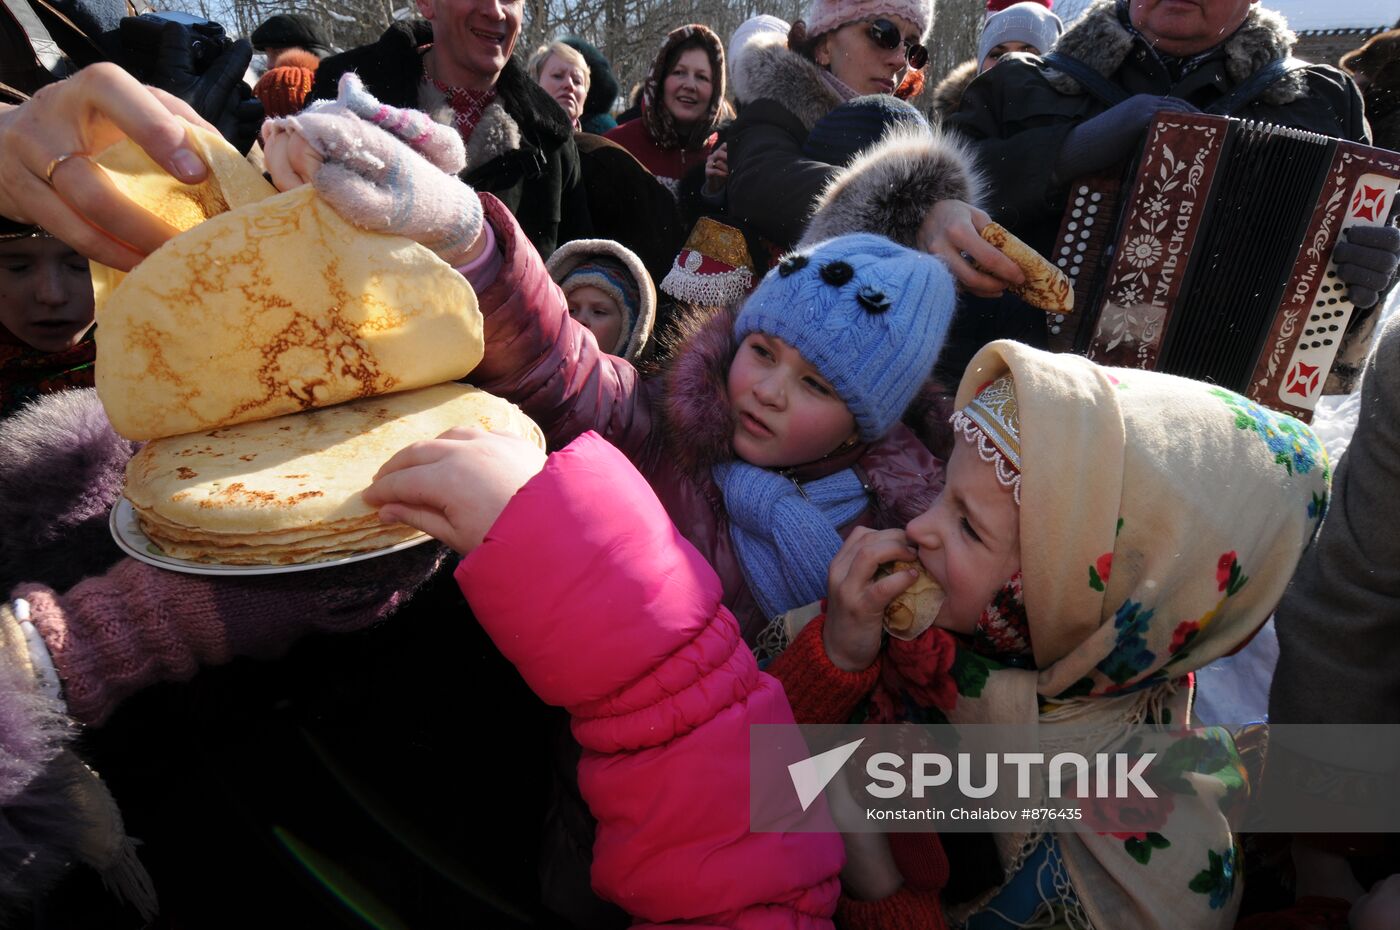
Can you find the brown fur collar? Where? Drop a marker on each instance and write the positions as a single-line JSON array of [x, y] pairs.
[[948, 93], [697, 420], [1099, 40]]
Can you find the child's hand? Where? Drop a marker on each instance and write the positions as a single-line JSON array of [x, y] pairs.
[[856, 601], [952, 230], [291, 160], [454, 487], [354, 152]]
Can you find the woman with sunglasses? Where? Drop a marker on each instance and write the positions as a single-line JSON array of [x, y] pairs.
[[913, 187]]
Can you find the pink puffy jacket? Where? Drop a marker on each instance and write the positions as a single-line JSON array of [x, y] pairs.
[[584, 583]]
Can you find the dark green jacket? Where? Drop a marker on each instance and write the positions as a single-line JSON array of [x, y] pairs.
[[522, 150]]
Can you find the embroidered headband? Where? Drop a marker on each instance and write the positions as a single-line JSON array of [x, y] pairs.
[[991, 421]]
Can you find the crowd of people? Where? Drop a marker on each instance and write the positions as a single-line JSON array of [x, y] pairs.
[[771, 353]]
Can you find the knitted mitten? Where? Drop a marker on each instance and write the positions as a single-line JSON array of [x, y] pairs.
[[1108, 138], [389, 170], [137, 625], [1366, 262]]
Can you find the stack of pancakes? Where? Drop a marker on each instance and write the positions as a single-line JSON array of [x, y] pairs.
[[287, 490], [276, 357]]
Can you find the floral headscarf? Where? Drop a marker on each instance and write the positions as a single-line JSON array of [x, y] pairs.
[[1161, 520], [660, 125]]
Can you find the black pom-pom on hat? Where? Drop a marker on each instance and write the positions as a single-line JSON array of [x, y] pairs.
[[837, 273], [791, 264], [873, 300]]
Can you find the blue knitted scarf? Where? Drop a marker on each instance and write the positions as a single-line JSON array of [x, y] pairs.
[[786, 533]]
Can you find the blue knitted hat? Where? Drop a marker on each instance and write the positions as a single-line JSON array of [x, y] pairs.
[[869, 314]]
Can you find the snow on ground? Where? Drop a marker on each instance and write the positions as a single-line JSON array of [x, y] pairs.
[[1236, 689]]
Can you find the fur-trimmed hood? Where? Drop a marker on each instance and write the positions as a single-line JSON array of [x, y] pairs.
[[770, 70], [637, 327], [1100, 40], [891, 187], [696, 417], [947, 94]]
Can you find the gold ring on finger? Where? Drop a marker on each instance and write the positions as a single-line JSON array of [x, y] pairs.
[[53, 165]]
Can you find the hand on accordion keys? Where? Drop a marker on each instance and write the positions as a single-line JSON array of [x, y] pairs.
[[1109, 138], [1366, 262]]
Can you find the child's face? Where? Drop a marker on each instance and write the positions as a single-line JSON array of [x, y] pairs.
[[45, 293], [597, 312], [786, 413], [970, 539]]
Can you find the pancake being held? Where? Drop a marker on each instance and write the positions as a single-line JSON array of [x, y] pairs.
[[276, 306], [287, 490]]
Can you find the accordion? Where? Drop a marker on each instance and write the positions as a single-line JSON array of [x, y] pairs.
[[1214, 259]]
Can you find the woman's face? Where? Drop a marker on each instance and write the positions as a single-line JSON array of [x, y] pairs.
[[688, 88], [566, 83], [859, 62]]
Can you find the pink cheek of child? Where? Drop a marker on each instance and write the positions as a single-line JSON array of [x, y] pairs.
[[969, 541]]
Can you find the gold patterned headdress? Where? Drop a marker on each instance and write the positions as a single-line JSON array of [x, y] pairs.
[[991, 421], [713, 269]]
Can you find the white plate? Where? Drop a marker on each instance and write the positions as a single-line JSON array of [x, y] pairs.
[[127, 532]]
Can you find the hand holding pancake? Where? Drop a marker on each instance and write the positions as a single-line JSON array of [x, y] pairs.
[[69, 196], [858, 595], [454, 487], [382, 168], [950, 231]]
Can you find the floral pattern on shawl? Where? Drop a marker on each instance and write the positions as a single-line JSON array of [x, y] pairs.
[[1293, 445], [1161, 521]]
